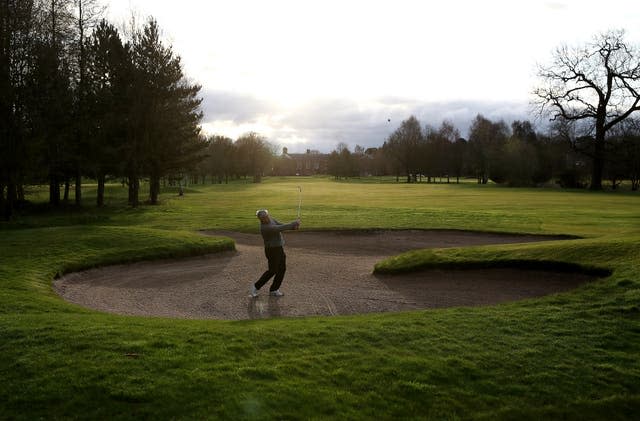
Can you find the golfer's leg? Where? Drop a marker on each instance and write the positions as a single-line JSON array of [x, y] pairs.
[[280, 271], [269, 272], [264, 279]]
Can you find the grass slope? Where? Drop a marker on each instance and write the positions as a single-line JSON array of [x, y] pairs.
[[571, 355]]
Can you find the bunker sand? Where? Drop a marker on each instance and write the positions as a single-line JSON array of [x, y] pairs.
[[328, 273]]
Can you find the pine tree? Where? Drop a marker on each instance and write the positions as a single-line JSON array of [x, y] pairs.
[[168, 109], [107, 103]]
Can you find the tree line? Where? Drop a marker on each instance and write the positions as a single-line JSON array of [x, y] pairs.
[[223, 159], [514, 155], [591, 95], [79, 98]]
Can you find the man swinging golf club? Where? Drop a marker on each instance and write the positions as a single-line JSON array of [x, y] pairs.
[[271, 231]]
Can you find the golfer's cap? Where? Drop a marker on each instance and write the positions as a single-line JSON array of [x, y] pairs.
[[262, 212]]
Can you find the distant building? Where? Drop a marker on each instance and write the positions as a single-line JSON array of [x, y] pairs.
[[310, 163]]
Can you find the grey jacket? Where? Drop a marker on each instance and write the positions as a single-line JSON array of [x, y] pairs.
[[272, 232]]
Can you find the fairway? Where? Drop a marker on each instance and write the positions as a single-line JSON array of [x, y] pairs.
[[568, 355], [319, 210]]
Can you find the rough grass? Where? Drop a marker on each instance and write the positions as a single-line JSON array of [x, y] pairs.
[[570, 355]]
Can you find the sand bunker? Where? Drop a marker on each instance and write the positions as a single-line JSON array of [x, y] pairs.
[[329, 273]]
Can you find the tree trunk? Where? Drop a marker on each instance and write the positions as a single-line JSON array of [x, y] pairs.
[[78, 194], [9, 204], [598, 162], [3, 202], [154, 188], [134, 189], [54, 190], [100, 194], [66, 190], [12, 196]]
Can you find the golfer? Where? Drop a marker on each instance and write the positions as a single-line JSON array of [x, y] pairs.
[[271, 231]]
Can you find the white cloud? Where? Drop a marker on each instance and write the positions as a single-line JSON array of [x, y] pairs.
[[331, 71], [322, 124]]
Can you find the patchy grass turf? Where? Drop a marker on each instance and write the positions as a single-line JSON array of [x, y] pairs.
[[572, 355]]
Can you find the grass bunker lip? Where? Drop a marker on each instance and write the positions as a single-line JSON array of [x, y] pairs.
[[329, 273]]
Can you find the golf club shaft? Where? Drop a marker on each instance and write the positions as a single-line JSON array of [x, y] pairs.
[[299, 200]]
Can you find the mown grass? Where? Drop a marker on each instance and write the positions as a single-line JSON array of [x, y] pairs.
[[572, 355]]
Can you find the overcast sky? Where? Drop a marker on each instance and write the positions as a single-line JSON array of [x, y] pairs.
[[311, 74]]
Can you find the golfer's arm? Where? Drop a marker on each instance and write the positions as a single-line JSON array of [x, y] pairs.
[[280, 227], [289, 226]]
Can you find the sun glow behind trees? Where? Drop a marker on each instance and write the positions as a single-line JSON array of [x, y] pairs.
[[313, 63]]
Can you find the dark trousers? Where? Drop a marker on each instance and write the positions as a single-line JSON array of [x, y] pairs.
[[277, 266]]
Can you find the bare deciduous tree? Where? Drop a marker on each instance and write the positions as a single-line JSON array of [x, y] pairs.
[[486, 140], [597, 84], [254, 154], [404, 145]]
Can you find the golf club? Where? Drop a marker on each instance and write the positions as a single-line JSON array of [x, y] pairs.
[[299, 200]]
